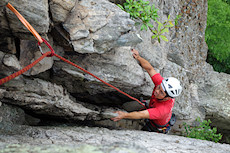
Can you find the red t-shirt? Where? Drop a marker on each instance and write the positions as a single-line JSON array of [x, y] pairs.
[[159, 111]]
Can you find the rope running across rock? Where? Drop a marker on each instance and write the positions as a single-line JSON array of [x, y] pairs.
[[50, 54]]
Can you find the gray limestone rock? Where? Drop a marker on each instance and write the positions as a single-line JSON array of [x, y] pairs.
[[11, 61], [60, 9], [98, 26], [35, 12], [97, 32], [214, 97], [9, 64], [103, 141], [115, 67], [8, 45], [29, 52], [45, 98]]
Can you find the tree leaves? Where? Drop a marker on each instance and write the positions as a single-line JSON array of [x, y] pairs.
[[164, 38], [142, 10], [161, 29], [164, 30], [154, 36], [217, 35], [202, 131]]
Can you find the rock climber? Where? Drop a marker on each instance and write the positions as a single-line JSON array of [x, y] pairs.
[[158, 115]]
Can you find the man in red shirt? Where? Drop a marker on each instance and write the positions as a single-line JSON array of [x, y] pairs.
[[160, 107]]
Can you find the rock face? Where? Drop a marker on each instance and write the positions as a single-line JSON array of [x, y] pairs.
[[17, 137], [123, 76], [36, 12], [45, 98], [98, 36], [94, 28], [60, 9], [100, 140]]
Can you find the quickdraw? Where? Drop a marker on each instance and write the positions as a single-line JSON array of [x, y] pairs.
[[50, 54]]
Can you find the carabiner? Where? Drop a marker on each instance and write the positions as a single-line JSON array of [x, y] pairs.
[[48, 45], [40, 48]]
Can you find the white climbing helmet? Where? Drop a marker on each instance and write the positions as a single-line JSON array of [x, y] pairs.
[[172, 87]]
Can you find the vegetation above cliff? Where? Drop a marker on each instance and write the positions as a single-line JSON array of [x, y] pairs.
[[146, 13], [218, 35]]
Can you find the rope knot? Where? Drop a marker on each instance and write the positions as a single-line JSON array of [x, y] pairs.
[[49, 46]]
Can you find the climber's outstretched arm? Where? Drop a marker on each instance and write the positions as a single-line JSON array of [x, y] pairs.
[[144, 63], [133, 115]]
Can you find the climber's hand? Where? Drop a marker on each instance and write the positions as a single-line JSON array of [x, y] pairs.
[[135, 53], [120, 116]]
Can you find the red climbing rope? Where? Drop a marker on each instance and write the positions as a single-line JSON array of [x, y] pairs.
[[50, 54], [8, 78], [75, 65], [49, 46]]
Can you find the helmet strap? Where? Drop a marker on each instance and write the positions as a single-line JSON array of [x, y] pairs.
[[167, 95], [163, 87]]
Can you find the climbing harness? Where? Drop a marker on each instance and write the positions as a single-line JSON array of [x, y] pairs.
[[50, 54], [153, 127], [144, 102]]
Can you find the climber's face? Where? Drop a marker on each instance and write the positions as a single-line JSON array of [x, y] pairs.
[[159, 92]]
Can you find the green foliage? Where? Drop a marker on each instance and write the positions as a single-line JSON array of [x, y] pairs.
[[217, 35], [139, 9], [142, 10], [203, 131], [161, 28], [227, 1], [177, 19], [217, 65]]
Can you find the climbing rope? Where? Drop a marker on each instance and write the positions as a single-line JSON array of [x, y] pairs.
[[75, 65], [50, 54], [14, 75]]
